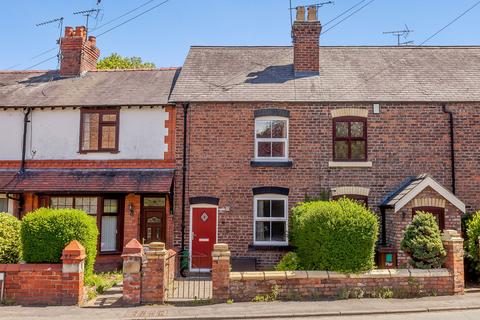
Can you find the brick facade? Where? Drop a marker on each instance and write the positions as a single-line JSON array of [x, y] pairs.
[[404, 139]]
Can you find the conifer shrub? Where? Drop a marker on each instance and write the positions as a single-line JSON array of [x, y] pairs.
[[334, 235], [423, 243], [45, 233], [10, 244]]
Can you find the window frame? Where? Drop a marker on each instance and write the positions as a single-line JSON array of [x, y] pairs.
[[101, 124], [349, 139], [285, 140], [270, 219], [98, 216]]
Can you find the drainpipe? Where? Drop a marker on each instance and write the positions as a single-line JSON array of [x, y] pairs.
[[24, 142], [384, 226], [452, 144], [184, 171]]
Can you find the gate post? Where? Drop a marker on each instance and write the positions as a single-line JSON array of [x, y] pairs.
[[153, 271], [73, 258], [220, 272], [132, 263], [453, 244]]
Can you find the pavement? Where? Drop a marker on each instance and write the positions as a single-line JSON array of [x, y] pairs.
[[422, 308]]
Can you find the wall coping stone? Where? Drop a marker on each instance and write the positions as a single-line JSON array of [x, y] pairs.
[[451, 235], [317, 274]]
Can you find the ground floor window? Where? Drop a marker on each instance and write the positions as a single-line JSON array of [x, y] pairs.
[[271, 220], [3, 203], [105, 209]]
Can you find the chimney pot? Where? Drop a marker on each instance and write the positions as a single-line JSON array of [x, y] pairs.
[[92, 40], [300, 13], [312, 13], [68, 31]]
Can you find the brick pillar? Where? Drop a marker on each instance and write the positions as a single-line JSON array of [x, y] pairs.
[[220, 272], [131, 226], [153, 273], [31, 203], [73, 257], [132, 277], [453, 243]]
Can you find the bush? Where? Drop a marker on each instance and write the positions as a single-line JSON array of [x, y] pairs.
[[46, 232], [10, 244], [422, 241], [472, 246], [289, 262], [334, 235]]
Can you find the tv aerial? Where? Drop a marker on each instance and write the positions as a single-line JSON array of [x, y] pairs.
[[401, 34], [60, 27], [87, 13]]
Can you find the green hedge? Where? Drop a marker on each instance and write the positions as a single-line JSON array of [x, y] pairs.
[[472, 247], [10, 244], [423, 242], [289, 262], [46, 232], [334, 235]]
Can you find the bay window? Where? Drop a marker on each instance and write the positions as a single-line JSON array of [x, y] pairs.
[[106, 212]]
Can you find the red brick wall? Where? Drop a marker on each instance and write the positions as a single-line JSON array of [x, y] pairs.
[[131, 228], [405, 139], [327, 286]]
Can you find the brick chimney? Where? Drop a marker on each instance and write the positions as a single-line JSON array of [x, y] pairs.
[[78, 53], [306, 42]]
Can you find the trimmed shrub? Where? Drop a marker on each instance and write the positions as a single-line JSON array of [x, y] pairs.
[[10, 244], [472, 245], [46, 232], [289, 262], [422, 241], [334, 235]]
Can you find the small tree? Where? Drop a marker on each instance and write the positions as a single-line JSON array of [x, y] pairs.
[[116, 61], [472, 243], [422, 241]]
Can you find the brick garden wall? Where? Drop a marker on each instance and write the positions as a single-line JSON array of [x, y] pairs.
[[47, 284], [311, 285], [405, 139]]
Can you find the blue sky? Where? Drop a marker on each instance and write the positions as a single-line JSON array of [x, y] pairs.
[[164, 35]]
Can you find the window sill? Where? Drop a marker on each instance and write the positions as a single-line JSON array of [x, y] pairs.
[[110, 253], [350, 164], [266, 163], [99, 151], [266, 247]]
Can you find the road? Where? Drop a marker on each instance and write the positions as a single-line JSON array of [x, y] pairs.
[[447, 315]]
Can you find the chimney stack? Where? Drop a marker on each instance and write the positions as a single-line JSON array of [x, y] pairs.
[[306, 42], [78, 54]]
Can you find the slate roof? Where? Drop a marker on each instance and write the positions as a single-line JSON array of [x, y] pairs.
[[412, 186], [87, 180], [347, 74], [95, 88]]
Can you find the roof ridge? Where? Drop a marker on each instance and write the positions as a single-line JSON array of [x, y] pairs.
[[139, 69]]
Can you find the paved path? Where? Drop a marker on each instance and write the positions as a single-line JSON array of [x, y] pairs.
[[422, 308]]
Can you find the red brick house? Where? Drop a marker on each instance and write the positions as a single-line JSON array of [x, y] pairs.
[[264, 127], [101, 141]]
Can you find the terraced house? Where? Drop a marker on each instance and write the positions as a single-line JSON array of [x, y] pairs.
[[221, 150], [100, 141], [264, 127]]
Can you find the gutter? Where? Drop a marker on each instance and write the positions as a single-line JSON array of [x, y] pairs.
[[184, 171], [452, 144], [24, 141]]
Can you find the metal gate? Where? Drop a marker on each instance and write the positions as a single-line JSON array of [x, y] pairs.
[[184, 284]]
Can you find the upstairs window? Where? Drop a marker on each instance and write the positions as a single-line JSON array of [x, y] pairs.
[[99, 130], [349, 139], [271, 138]]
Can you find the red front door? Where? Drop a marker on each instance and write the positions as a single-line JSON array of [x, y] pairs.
[[204, 236]]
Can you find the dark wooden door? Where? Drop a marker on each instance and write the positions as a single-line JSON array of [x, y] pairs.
[[154, 228], [438, 213]]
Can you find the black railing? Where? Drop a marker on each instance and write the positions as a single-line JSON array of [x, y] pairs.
[[184, 283]]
